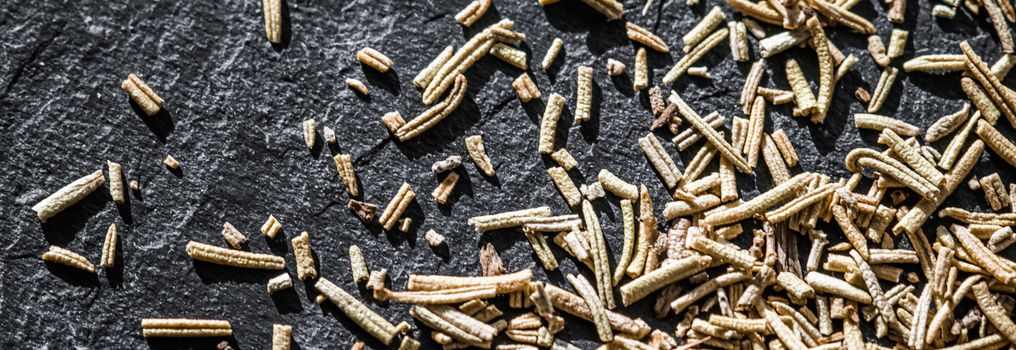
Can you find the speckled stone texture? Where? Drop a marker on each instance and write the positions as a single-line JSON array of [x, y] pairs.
[[232, 118]]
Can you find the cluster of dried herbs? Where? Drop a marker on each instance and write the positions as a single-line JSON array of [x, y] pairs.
[[747, 298]]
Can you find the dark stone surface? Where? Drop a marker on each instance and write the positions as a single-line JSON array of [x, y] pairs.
[[232, 118]]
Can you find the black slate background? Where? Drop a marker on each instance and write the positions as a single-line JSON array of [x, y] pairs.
[[232, 118]]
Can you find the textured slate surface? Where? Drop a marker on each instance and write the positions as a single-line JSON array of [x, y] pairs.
[[234, 105]]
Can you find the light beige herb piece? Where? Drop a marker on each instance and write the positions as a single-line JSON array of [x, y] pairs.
[[271, 227], [943, 11], [785, 147], [184, 328], [710, 134], [938, 62], [68, 195], [504, 284], [665, 275], [702, 29], [692, 57], [645, 37], [393, 121], [398, 205], [738, 41], [273, 20], [433, 238], [507, 219], [236, 258], [646, 232], [358, 265], [552, 52], [408, 343], [800, 203], [109, 247], [618, 187], [143, 95], [548, 125], [980, 99], [426, 120], [897, 43], [700, 204], [344, 165], [806, 102], [997, 142], [947, 124], [707, 288], [575, 305], [885, 83], [880, 122], [474, 145], [991, 84], [1003, 65], [594, 304], [754, 28], [615, 67], [845, 66], [234, 237], [511, 55], [425, 76], [310, 133], [834, 286], [794, 285], [910, 156], [994, 191], [775, 44], [473, 12], [701, 72], [750, 88], [952, 151], [359, 313], [281, 336], [134, 185], [457, 325], [376, 282], [753, 144], [357, 86], [660, 160], [628, 218], [825, 65], [761, 202], [690, 136], [564, 184], [448, 164], [171, 162], [374, 59], [998, 20], [66, 257], [598, 250], [445, 188], [641, 80], [305, 268], [526, 88], [279, 283], [584, 101], [116, 190], [564, 159], [877, 50]]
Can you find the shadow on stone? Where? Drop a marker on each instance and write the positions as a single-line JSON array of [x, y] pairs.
[[213, 273], [73, 276], [61, 229], [161, 124]]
